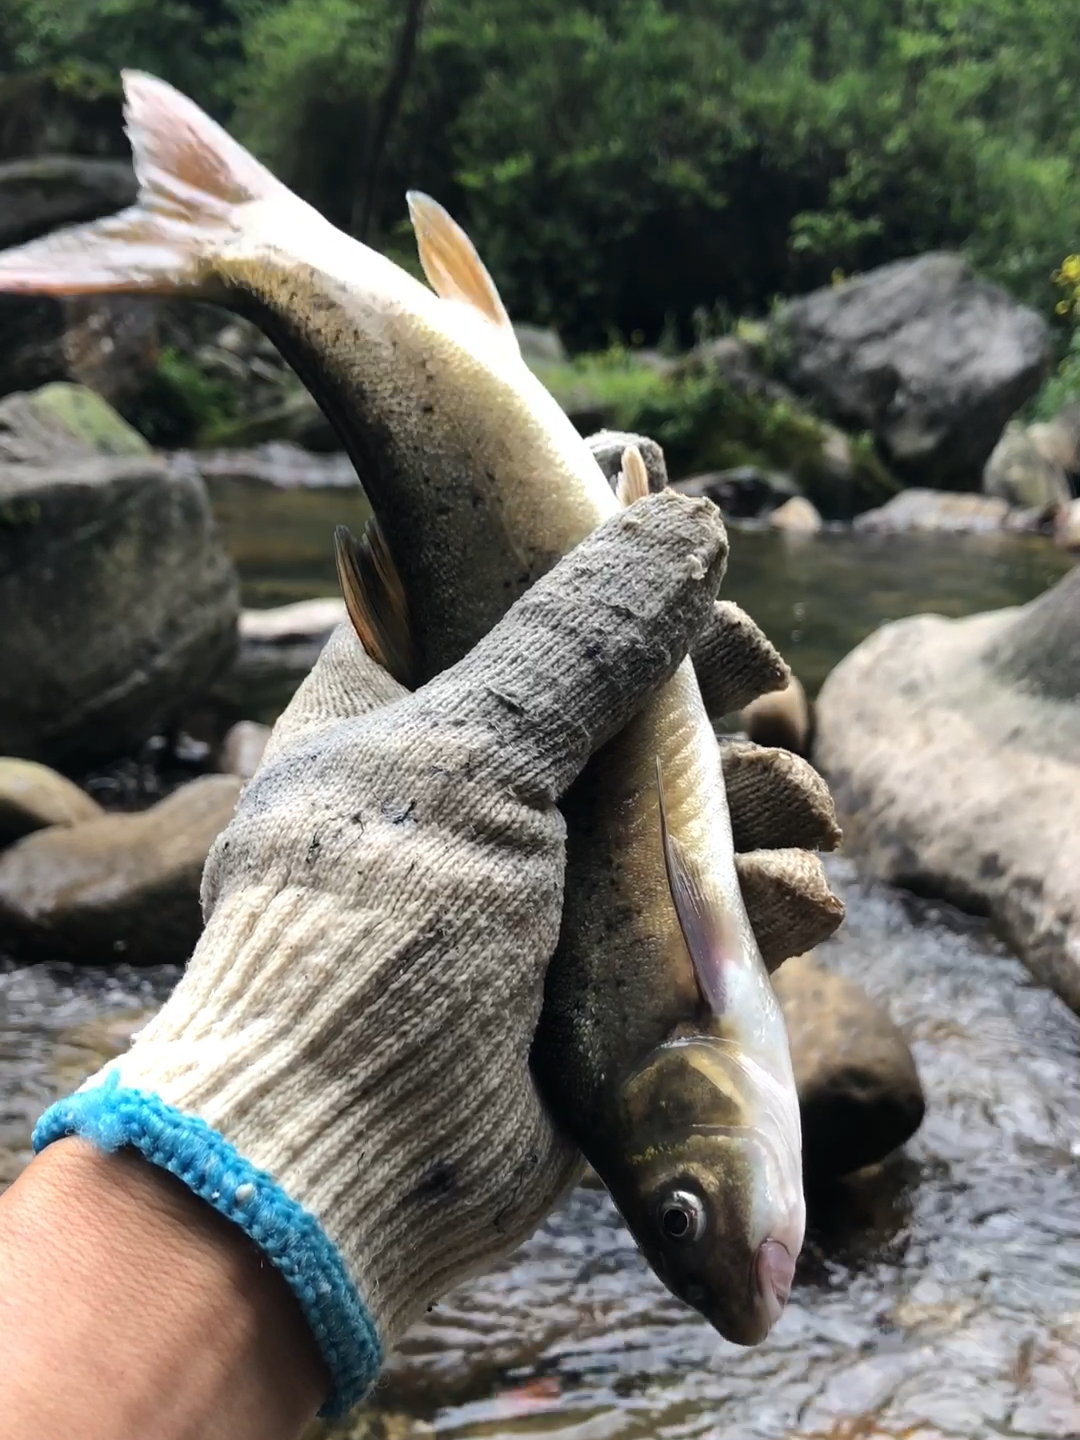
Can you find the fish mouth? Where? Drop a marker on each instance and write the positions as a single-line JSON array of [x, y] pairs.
[[774, 1271]]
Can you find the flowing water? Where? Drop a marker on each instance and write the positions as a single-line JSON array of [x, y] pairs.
[[938, 1296]]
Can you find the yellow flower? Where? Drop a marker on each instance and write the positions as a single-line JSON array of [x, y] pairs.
[[1070, 269], [1063, 307]]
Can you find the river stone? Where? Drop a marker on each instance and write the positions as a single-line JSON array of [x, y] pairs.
[[242, 748], [859, 1091], [1067, 526], [538, 345], [33, 797], [798, 516], [1020, 473], [120, 603], [742, 491], [952, 748], [940, 511], [122, 887], [928, 357], [780, 718]]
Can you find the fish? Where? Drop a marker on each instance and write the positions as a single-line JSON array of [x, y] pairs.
[[661, 1049]]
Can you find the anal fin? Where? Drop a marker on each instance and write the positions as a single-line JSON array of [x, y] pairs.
[[375, 599]]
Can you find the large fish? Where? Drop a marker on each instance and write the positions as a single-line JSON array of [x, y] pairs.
[[662, 1048]]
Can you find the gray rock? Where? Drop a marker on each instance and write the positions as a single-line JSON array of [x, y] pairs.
[[737, 364], [281, 465], [797, 516], [540, 345], [859, 1092], [1059, 439], [952, 748], [1067, 527], [47, 191], [608, 446], [937, 511], [1020, 471], [119, 601], [923, 354], [33, 797], [277, 649], [743, 491], [242, 748], [781, 718], [123, 887]]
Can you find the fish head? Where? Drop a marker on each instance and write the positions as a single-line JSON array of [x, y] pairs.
[[712, 1182]]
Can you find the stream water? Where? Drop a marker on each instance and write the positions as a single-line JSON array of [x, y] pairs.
[[938, 1296]]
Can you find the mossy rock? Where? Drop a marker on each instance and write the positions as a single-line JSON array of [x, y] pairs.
[[86, 417], [705, 424]]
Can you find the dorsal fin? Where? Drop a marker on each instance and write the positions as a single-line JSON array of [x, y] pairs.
[[375, 599], [634, 479], [452, 266], [706, 930]]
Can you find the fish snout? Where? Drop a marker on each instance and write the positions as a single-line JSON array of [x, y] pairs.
[[775, 1271]]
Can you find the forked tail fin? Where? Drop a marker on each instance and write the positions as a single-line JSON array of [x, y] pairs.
[[193, 179]]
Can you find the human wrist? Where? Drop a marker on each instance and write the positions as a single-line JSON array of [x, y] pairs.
[[142, 1283]]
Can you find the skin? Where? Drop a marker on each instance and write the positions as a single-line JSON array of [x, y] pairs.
[[204, 1337], [480, 483]]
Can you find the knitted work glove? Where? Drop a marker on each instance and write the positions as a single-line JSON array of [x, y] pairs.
[[781, 809], [343, 1069]]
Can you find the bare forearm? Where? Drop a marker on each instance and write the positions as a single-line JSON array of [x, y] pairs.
[[129, 1308]]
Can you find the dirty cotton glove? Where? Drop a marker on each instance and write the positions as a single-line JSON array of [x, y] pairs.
[[781, 809], [343, 1069]]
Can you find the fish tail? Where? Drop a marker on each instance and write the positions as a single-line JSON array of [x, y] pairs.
[[193, 179]]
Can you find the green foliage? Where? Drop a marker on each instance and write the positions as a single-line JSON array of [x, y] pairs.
[[180, 402], [624, 164], [703, 424]]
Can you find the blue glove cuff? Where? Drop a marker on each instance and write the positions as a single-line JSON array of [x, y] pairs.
[[291, 1238]]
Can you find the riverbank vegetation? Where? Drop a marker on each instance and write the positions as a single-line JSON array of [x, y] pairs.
[[624, 165]]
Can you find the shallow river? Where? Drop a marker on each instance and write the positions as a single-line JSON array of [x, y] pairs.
[[937, 1297]]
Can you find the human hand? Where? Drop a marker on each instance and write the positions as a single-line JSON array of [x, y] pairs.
[[343, 1070]]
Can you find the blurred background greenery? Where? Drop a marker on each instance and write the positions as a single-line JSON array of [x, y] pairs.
[[634, 169]]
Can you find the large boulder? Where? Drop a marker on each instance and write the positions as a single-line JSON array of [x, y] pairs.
[[952, 748], [46, 191], [118, 598], [928, 357], [939, 512], [859, 1092], [122, 887]]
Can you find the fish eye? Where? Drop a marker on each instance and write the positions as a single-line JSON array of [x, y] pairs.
[[681, 1216]]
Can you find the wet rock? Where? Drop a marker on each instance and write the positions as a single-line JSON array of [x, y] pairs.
[[952, 748], [1022, 474], [242, 748], [923, 354], [797, 516], [119, 601], [938, 511], [33, 797], [122, 887], [46, 191], [859, 1091], [1067, 526], [781, 718], [745, 491], [83, 1049]]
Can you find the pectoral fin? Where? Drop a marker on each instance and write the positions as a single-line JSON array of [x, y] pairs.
[[704, 926], [634, 479], [375, 599], [453, 268]]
